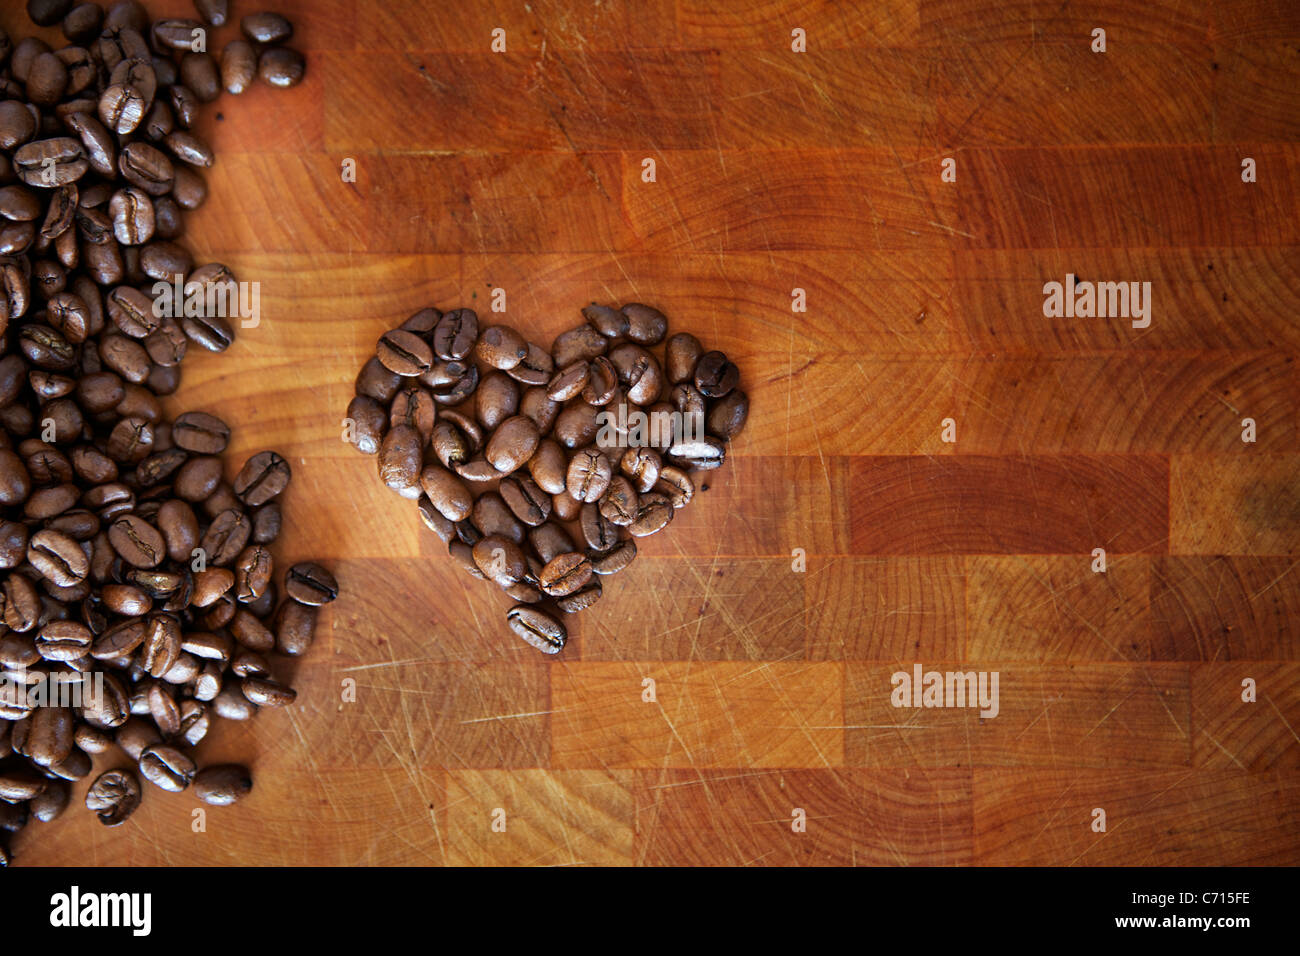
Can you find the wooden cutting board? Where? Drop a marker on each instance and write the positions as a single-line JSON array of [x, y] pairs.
[[846, 539]]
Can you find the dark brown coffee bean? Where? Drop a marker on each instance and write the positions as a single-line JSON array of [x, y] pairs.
[[500, 560], [281, 67], [646, 325], [238, 66], [253, 570], [676, 485], [538, 628], [263, 477], [588, 475], [223, 784], [619, 503], [404, 353], [455, 334], [611, 323], [565, 574], [58, 558], [201, 433], [654, 511], [215, 12], [114, 796], [309, 583], [581, 344], [501, 347], [512, 444], [375, 381], [600, 534], [137, 541], [580, 599], [265, 692], [167, 768], [51, 163], [400, 455], [526, 499], [266, 28], [682, 354], [615, 560], [295, 628]]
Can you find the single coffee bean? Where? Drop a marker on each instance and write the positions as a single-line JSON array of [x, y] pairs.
[[615, 560], [512, 444], [580, 599], [281, 67], [263, 477], [565, 574], [676, 485], [702, 454], [223, 784], [501, 347], [138, 542], [654, 511], [404, 353], [588, 475], [455, 334], [114, 796], [538, 628], [238, 66], [500, 560], [309, 583], [51, 163], [215, 12], [265, 692], [715, 375], [682, 354], [266, 28], [295, 628], [619, 503], [167, 768], [526, 499], [611, 323], [646, 325]]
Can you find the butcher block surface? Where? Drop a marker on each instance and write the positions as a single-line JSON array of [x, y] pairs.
[[845, 539]]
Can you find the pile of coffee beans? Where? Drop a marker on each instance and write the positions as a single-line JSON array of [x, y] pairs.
[[137, 601], [541, 469]]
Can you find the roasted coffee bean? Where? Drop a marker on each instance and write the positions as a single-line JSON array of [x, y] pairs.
[[51, 163], [500, 560], [619, 503], [223, 784], [646, 325], [702, 454], [167, 768], [215, 12], [526, 499], [309, 583], [263, 477], [581, 344], [238, 66], [501, 347], [565, 574], [265, 692], [654, 511], [281, 67], [538, 628], [588, 475], [496, 399], [200, 433], [615, 560], [295, 628], [404, 353], [455, 334], [114, 796], [368, 423], [58, 557], [138, 542], [400, 455], [512, 444], [610, 323], [266, 28], [46, 13], [676, 485]]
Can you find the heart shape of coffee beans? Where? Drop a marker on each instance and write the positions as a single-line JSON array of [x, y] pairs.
[[541, 469]]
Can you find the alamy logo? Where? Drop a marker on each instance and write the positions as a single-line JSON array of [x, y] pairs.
[[74, 909], [946, 689], [1086, 300]]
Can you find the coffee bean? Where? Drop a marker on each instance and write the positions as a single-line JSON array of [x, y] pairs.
[[167, 768], [138, 542], [565, 574], [676, 485], [614, 560], [238, 66], [265, 692], [513, 443], [223, 784], [266, 28], [654, 511], [263, 477], [701, 454], [588, 475], [295, 628], [51, 163], [281, 67], [404, 353], [114, 796], [215, 12], [309, 583], [455, 334], [619, 503], [538, 628]]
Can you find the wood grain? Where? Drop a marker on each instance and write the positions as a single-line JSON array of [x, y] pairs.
[[845, 539]]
